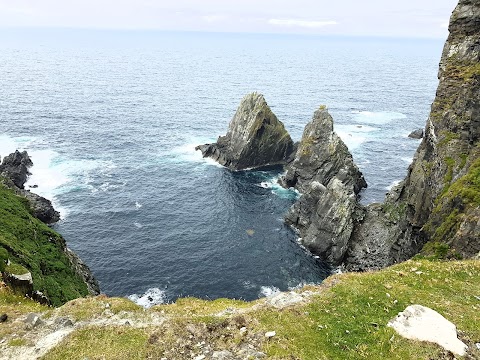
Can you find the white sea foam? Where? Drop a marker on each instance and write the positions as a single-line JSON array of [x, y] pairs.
[[52, 173], [353, 135], [153, 296], [392, 185], [408, 160], [267, 291], [137, 205], [187, 153], [377, 118], [138, 225], [277, 189]]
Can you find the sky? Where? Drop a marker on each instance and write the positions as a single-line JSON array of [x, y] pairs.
[[405, 18]]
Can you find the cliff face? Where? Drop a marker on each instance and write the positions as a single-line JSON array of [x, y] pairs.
[[255, 138], [439, 201], [442, 189], [324, 172]]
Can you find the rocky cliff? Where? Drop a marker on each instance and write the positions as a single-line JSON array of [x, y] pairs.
[[255, 138], [324, 172], [36, 259], [438, 204]]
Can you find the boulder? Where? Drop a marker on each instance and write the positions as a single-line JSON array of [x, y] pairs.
[[33, 320], [255, 138], [20, 283], [416, 134], [420, 323], [325, 174], [15, 168]]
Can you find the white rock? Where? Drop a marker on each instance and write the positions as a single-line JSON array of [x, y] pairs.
[[420, 323], [270, 334], [200, 357]]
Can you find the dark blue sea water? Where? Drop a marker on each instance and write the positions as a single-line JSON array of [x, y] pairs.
[[111, 119]]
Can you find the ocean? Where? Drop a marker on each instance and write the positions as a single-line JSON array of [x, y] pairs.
[[111, 119]]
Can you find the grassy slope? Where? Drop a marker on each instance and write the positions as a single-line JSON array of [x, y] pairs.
[[346, 320], [38, 248]]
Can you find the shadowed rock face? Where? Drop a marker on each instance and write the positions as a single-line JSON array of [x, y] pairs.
[[255, 138], [324, 172]]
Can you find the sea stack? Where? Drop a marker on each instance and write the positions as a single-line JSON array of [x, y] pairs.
[[324, 172], [255, 138]]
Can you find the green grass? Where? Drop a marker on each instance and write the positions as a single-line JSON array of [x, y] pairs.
[[96, 342], [346, 320], [33, 245], [349, 320]]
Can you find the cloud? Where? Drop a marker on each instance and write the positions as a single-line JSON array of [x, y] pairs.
[[301, 23], [213, 18]]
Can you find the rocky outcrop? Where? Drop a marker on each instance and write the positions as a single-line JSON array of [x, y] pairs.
[[41, 208], [15, 171], [325, 174], [53, 273], [255, 138], [15, 168], [439, 201], [416, 134]]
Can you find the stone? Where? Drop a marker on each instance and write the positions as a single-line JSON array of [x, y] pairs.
[[324, 173], [420, 323], [20, 283], [223, 355], [416, 134], [3, 318], [270, 334], [255, 138], [33, 320], [63, 322]]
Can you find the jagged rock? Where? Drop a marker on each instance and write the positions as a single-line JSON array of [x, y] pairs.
[[255, 138], [21, 284], [324, 172], [42, 208], [416, 134], [420, 323], [3, 318], [15, 168]]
